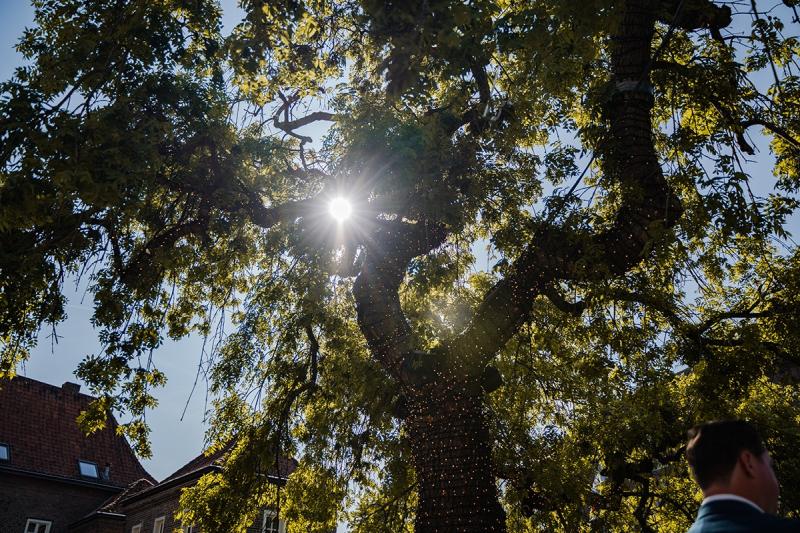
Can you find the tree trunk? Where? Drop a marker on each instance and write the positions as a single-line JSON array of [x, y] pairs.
[[452, 454], [649, 206]]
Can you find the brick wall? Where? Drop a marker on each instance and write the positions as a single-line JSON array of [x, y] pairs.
[[162, 503], [101, 524], [145, 511], [23, 497]]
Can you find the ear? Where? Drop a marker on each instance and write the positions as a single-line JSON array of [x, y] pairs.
[[748, 463]]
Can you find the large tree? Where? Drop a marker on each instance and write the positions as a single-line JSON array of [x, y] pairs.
[[639, 275]]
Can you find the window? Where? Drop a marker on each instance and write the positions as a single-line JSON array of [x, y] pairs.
[[5, 452], [37, 526], [190, 529], [88, 469], [137, 528], [271, 524], [158, 525]]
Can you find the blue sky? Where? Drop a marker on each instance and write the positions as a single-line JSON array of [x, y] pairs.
[[14, 16]]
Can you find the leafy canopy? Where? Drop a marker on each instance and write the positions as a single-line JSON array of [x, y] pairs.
[[173, 166]]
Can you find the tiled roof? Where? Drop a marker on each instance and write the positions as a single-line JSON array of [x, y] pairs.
[[200, 465], [287, 465], [112, 505], [38, 422]]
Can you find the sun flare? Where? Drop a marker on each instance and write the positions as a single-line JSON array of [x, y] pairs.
[[340, 208]]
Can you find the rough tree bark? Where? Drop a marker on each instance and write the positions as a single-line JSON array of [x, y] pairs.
[[452, 450], [450, 441]]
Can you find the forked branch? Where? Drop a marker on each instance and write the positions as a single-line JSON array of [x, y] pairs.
[[649, 208]]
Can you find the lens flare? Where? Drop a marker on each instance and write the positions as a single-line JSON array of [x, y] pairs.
[[340, 209]]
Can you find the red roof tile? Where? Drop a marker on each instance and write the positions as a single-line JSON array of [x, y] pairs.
[[38, 422], [198, 463], [112, 505], [287, 465], [198, 466]]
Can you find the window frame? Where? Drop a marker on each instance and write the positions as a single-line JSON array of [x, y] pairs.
[[48, 524], [270, 514], [82, 462], [137, 528], [162, 521], [7, 448]]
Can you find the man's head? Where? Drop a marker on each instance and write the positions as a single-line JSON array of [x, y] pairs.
[[729, 456]]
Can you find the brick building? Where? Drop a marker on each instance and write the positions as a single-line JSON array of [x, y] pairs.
[[147, 509], [55, 479], [51, 474]]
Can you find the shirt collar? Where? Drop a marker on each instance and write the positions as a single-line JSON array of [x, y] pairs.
[[734, 497]]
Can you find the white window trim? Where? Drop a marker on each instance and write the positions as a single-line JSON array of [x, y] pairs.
[[137, 528], [270, 514], [160, 521], [36, 522], [189, 529]]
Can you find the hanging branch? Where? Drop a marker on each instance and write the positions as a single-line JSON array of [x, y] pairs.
[[308, 386], [642, 508]]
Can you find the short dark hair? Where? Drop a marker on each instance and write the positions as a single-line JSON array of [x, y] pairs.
[[714, 448]]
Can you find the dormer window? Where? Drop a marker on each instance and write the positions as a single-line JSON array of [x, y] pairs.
[[89, 469], [5, 452], [37, 526]]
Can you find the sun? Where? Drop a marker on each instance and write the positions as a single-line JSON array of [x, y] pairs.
[[340, 208]]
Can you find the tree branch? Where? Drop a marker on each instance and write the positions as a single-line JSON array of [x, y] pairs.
[[163, 240], [304, 121], [774, 128], [562, 304], [479, 73], [313, 371], [266, 217], [648, 206], [380, 317], [692, 15], [309, 385]]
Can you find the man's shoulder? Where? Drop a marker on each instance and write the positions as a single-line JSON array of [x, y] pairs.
[[777, 523], [751, 523]]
